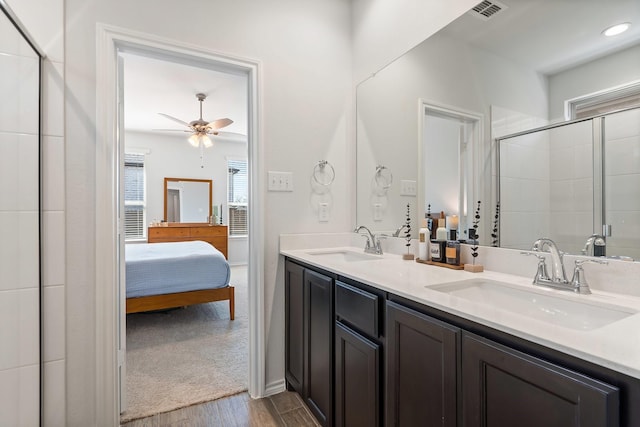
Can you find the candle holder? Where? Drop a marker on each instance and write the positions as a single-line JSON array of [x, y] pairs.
[[452, 222]]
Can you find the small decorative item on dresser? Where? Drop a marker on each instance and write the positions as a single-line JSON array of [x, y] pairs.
[[474, 268], [407, 235]]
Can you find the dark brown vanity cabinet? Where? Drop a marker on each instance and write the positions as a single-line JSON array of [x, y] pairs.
[[504, 387], [421, 369], [309, 338], [362, 357], [358, 347]]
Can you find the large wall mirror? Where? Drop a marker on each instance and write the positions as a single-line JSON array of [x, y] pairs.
[[187, 200], [496, 76]]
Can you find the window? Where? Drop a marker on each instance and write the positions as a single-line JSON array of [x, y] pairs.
[[238, 191], [134, 197], [603, 102]]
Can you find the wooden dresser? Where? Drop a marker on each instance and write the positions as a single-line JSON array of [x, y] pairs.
[[184, 232]]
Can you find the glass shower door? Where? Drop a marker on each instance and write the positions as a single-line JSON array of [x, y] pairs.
[[20, 290], [622, 183]]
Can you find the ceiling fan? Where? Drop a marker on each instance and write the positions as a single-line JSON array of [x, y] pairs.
[[200, 129]]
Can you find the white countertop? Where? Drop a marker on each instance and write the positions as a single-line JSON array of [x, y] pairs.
[[615, 346]]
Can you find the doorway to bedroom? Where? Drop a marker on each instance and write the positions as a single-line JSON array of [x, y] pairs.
[[188, 183]]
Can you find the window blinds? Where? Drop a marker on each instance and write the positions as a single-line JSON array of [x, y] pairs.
[[134, 198], [238, 195]]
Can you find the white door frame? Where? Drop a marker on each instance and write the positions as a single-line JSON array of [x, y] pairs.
[[109, 40], [474, 171]]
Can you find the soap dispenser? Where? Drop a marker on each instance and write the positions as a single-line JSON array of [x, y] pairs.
[[423, 241]]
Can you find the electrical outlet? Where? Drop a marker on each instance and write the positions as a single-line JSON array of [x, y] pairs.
[[408, 188], [323, 212], [377, 212]]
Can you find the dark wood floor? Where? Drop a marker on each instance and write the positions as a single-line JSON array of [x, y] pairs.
[[282, 410]]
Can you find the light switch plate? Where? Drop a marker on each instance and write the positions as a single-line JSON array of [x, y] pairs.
[[280, 181]]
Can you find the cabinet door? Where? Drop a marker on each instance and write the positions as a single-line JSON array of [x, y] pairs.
[[422, 363], [357, 379], [503, 387], [319, 346], [294, 325]]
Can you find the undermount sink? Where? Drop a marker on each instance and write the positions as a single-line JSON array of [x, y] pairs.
[[568, 313], [343, 255]]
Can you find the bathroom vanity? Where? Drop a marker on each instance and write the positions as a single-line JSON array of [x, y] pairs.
[[374, 340]]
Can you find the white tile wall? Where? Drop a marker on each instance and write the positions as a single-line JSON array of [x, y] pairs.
[[19, 328], [571, 185], [54, 392], [53, 170], [524, 184], [19, 396], [569, 212], [19, 393], [53, 243]]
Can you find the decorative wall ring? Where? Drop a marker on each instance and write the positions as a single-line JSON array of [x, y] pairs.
[[320, 169], [383, 177]]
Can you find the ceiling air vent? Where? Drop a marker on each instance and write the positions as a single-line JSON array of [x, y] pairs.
[[486, 10]]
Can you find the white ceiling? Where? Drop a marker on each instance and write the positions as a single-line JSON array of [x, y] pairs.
[[551, 35], [153, 86]]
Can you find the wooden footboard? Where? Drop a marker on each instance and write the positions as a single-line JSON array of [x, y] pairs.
[[181, 299]]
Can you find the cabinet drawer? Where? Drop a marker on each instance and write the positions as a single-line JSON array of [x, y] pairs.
[[161, 232], [358, 308], [209, 231]]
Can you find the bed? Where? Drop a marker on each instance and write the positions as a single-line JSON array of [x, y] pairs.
[[168, 275]]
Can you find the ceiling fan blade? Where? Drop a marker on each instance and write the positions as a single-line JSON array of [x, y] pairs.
[[172, 130], [231, 136], [219, 124], [174, 119]]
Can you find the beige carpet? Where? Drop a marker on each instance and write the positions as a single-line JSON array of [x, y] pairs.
[[188, 355]]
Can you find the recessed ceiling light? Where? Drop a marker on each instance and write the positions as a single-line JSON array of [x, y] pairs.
[[614, 30]]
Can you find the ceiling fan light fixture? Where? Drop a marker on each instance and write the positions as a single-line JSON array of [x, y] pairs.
[[204, 138], [614, 30], [194, 140]]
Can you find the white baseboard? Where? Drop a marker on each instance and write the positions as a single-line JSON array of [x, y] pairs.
[[275, 387]]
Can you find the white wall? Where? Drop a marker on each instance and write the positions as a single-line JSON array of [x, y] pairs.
[[607, 72], [304, 49], [172, 156], [44, 20]]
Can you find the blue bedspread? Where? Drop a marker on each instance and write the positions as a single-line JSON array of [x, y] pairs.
[[164, 268]]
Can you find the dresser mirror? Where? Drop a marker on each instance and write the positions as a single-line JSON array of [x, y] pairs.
[[495, 76], [187, 200]]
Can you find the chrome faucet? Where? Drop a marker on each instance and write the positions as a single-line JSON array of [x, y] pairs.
[[595, 246], [399, 230], [557, 267], [373, 242], [558, 279]]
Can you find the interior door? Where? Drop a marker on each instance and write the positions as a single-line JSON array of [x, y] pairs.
[[122, 289]]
